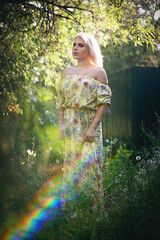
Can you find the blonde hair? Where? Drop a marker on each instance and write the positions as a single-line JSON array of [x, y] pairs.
[[93, 47]]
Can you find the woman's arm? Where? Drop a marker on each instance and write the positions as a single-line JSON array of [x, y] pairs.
[[90, 134]]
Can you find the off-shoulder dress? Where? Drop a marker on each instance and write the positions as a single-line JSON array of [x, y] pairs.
[[80, 96]]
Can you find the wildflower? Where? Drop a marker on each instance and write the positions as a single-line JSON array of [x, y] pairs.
[[138, 158], [111, 142], [157, 153], [107, 140], [120, 175], [31, 153], [57, 161], [73, 215], [124, 190], [150, 161], [63, 169], [142, 171]]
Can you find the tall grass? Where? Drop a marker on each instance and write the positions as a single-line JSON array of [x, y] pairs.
[[131, 202], [131, 180]]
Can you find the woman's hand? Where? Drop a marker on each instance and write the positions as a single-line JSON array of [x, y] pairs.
[[89, 135]]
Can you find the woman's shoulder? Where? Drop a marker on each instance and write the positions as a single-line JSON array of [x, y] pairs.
[[67, 71], [101, 75]]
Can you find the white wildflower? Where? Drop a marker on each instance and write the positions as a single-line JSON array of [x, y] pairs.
[[124, 190], [157, 153], [142, 171], [107, 140], [150, 161], [73, 215], [57, 161], [31, 153], [138, 158]]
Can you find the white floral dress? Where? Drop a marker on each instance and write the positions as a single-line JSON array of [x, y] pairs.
[[80, 96]]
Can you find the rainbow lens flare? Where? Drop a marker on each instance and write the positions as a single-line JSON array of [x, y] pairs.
[[50, 199]]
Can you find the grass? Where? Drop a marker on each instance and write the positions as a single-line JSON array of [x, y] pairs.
[[131, 182]]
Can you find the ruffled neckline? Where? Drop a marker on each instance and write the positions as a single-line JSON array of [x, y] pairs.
[[88, 77]]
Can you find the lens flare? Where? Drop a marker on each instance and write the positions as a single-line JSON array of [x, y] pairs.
[[50, 199]]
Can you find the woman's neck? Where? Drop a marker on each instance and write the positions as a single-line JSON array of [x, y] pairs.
[[83, 63]]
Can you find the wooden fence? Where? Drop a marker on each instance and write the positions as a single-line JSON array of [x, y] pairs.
[[135, 100]]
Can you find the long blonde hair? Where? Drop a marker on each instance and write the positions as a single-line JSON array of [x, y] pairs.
[[93, 47]]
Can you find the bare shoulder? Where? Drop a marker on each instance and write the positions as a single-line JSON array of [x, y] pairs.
[[101, 75], [66, 72]]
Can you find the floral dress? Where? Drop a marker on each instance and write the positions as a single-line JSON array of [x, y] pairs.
[[80, 96]]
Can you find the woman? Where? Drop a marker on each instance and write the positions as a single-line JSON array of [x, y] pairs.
[[83, 98]]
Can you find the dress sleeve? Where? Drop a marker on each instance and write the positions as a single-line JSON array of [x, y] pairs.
[[60, 96], [103, 94]]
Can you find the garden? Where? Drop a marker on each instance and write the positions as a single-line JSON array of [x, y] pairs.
[[36, 42]]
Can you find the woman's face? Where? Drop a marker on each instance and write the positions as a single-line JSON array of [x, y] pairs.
[[79, 49]]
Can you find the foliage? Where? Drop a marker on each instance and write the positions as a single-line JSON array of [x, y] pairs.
[[36, 40], [131, 200], [122, 56]]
